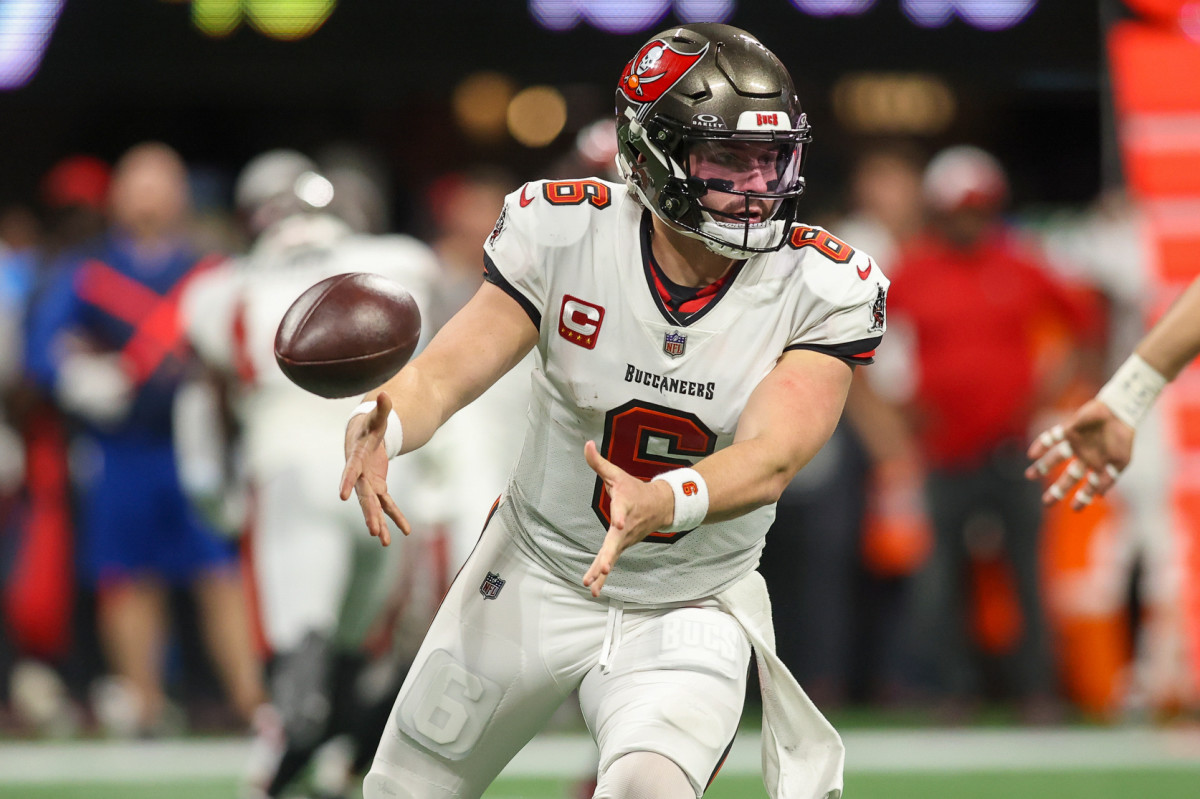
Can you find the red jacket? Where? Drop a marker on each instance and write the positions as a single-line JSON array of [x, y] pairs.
[[973, 313]]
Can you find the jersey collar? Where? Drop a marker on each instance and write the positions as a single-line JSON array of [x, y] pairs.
[[680, 305]]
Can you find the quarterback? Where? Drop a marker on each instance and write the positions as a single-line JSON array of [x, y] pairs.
[[694, 349]]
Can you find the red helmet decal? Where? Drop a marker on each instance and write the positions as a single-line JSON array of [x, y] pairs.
[[654, 70]]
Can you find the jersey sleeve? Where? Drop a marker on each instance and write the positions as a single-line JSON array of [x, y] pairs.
[[207, 310], [850, 315], [512, 256]]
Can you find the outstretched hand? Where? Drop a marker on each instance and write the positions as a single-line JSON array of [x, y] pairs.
[[1094, 443], [636, 509], [366, 471]]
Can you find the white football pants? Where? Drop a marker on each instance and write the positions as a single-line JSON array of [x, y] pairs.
[[511, 641]]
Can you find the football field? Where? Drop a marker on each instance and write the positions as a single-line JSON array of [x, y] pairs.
[[1074, 763]]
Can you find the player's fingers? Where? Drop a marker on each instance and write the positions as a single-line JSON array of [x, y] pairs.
[[1101, 481], [372, 511], [598, 463], [618, 513], [1097, 485], [597, 574], [349, 478], [1065, 482], [394, 513], [1046, 440], [379, 417], [606, 558], [1051, 458]]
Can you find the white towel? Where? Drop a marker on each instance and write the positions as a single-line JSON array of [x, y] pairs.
[[802, 754]]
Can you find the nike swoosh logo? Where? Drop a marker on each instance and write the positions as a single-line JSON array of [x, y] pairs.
[[525, 200], [862, 273]]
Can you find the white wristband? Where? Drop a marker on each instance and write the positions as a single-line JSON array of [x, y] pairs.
[[1132, 390], [691, 498], [393, 436]]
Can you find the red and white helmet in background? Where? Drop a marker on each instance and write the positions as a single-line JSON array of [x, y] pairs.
[[965, 177]]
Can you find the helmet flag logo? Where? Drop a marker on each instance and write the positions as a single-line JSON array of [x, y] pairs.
[[654, 70]]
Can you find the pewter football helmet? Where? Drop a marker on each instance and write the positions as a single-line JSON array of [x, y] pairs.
[[701, 92]]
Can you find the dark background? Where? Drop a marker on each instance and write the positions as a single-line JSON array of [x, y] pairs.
[[379, 72]]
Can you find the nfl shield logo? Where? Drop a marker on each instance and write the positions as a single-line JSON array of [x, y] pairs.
[[491, 586], [674, 343]]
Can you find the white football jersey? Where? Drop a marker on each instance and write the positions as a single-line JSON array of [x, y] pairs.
[[231, 314], [654, 389]]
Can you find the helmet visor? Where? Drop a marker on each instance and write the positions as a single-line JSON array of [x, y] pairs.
[[769, 167]]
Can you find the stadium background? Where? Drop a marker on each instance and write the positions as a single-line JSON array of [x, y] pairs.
[[1034, 88]]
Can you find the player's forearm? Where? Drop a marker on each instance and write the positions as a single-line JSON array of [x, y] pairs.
[[484, 340], [1175, 340], [750, 474], [789, 417], [418, 402]]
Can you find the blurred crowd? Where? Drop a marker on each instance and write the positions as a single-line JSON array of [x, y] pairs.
[[174, 556]]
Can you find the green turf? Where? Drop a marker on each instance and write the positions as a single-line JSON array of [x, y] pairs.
[[1094, 784], [1113, 784]]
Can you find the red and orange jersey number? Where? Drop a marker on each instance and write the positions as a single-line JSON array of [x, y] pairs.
[[574, 192], [628, 431], [825, 242]]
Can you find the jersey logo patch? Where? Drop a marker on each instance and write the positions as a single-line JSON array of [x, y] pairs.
[[579, 321], [653, 71], [491, 586], [526, 200], [499, 227], [878, 310], [862, 273], [674, 343]]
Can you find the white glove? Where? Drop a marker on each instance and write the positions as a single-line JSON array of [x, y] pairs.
[[95, 387]]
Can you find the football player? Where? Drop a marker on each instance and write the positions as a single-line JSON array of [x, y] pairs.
[[317, 593], [694, 348]]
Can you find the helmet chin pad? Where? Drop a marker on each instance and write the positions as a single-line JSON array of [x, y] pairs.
[[743, 240]]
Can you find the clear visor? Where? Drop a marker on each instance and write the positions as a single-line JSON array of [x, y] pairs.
[[754, 167]]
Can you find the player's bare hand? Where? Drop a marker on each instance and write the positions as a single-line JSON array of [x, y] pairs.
[[366, 471], [636, 509], [1094, 444]]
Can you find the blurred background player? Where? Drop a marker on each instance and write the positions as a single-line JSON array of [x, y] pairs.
[[969, 303], [319, 583], [47, 614], [104, 342]]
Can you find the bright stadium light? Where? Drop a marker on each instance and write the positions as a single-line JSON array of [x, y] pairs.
[[829, 8], [991, 15], [625, 16], [286, 20], [25, 29]]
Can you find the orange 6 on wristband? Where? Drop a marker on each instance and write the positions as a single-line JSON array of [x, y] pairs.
[[691, 498]]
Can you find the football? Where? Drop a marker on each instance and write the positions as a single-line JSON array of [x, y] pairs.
[[347, 334]]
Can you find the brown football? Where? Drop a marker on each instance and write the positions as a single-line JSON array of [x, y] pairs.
[[347, 334]]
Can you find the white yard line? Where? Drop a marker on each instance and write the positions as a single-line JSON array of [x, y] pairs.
[[568, 756]]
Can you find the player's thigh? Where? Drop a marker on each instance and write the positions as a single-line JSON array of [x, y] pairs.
[[481, 685], [301, 563], [676, 687]]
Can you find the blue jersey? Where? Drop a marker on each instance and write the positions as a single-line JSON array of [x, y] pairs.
[[133, 514], [118, 301]]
